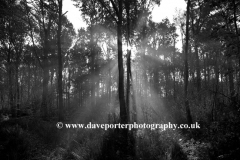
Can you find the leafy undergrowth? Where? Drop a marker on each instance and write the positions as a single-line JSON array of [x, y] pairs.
[[32, 138], [17, 142], [160, 145], [224, 137], [195, 150]]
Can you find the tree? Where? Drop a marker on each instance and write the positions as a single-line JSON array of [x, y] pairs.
[[199, 14], [60, 66], [189, 117]]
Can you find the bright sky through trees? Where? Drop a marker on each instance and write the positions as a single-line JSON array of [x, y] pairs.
[[73, 14], [167, 9]]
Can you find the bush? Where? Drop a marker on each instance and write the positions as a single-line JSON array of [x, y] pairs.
[[158, 144], [15, 142], [83, 144], [224, 137]]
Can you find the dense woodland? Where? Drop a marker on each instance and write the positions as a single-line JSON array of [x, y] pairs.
[[122, 68]]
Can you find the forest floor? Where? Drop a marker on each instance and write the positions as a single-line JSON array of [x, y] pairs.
[[19, 141]]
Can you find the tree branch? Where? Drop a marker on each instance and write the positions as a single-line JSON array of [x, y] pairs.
[[108, 10]]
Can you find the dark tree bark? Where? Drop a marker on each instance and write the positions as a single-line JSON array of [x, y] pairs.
[[92, 67], [45, 63], [17, 84], [198, 70], [127, 6], [238, 40], [189, 116], [10, 84], [230, 69], [123, 111], [174, 68], [60, 65]]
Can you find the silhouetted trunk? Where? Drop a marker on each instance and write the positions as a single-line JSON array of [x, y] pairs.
[[92, 67], [127, 5], [10, 84], [123, 111], [237, 37], [60, 66], [174, 76], [17, 84], [44, 105], [155, 80], [216, 70], [198, 71], [189, 117], [29, 81], [45, 64], [128, 83], [109, 87], [230, 69], [230, 77], [69, 87]]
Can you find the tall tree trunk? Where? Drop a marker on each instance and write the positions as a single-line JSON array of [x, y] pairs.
[[198, 71], [60, 65], [92, 68], [143, 83], [123, 111], [174, 75], [238, 42], [127, 4], [44, 105], [10, 85], [189, 116], [134, 102], [17, 84], [230, 76], [69, 87], [230, 69], [29, 81], [216, 69]]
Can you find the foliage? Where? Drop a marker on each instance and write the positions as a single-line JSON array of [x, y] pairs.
[[14, 142], [224, 137]]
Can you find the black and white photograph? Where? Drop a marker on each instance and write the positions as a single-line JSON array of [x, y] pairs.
[[119, 79]]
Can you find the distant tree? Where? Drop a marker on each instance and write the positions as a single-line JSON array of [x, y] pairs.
[[60, 65]]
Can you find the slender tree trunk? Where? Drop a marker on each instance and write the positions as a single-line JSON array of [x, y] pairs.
[[128, 84], [205, 71], [127, 5], [45, 67], [10, 85], [29, 81], [174, 74], [189, 117], [198, 71], [44, 105], [60, 66], [216, 69], [109, 87], [17, 85], [230, 76], [92, 67], [238, 41], [123, 111], [69, 87], [230, 71], [155, 80]]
